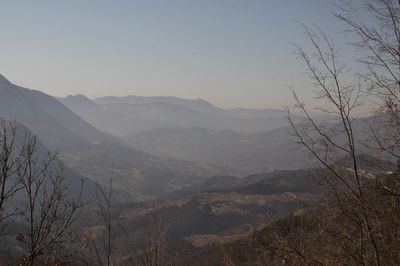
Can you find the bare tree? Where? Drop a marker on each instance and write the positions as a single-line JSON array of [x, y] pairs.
[[331, 144], [102, 244], [152, 251], [376, 23], [10, 163], [48, 208], [357, 215]]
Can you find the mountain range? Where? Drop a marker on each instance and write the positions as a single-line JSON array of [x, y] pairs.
[[154, 145], [243, 141], [125, 115], [93, 153]]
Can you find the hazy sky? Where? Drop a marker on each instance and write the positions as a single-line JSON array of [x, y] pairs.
[[233, 53]]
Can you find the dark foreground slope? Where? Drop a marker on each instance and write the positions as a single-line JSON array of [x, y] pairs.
[[222, 209]]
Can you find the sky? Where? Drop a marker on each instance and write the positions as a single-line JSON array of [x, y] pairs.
[[233, 53]]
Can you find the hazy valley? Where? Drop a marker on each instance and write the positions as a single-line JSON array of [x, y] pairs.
[[186, 133], [187, 170]]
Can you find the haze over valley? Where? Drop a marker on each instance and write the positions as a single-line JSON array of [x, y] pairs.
[[183, 132]]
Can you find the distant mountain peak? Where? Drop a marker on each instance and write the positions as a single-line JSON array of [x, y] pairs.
[[77, 96], [4, 80], [196, 104], [201, 100]]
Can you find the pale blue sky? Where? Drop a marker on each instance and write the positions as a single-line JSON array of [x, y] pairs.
[[233, 53]]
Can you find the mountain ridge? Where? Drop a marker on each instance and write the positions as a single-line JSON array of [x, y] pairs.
[[92, 152], [147, 113]]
